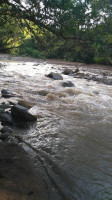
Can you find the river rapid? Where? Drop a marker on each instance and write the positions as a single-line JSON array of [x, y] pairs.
[[72, 137]]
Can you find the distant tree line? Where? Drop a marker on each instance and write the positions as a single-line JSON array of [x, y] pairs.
[[75, 30]]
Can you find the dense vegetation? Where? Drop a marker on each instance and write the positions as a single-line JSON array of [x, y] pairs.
[[75, 30]]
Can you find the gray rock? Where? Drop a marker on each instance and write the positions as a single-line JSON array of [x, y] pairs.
[[6, 129], [67, 84], [43, 92], [108, 81], [67, 71], [20, 114], [25, 104], [4, 136], [5, 106], [76, 70], [79, 75], [6, 94], [7, 119], [55, 76]]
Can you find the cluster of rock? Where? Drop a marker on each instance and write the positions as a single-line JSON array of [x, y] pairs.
[[56, 76], [13, 115], [99, 78], [77, 74]]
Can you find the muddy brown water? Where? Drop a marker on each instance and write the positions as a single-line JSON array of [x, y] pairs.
[[73, 134]]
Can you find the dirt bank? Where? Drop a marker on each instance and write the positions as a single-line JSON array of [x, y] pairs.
[[4, 57], [18, 178]]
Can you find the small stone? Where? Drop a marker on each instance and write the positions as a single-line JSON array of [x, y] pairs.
[[43, 92], [6, 94], [25, 104], [67, 84], [7, 119], [67, 71], [76, 70], [55, 76]]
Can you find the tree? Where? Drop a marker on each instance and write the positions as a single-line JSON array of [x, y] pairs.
[[10, 34], [85, 25]]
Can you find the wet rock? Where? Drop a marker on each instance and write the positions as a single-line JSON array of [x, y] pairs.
[[43, 92], [94, 78], [20, 114], [79, 75], [13, 102], [104, 74], [14, 140], [1, 112], [67, 71], [4, 136], [6, 94], [2, 65], [25, 103], [87, 76], [108, 81], [76, 70], [67, 84], [55, 76], [6, 129], [36, 64], [5, 106], [6, 118]]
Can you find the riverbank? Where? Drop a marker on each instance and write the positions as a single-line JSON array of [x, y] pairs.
[[18, 178], [8, 57]]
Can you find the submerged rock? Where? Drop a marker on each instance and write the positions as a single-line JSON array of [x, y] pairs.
[[55, 76], [108, 81], [79, 75], [25, 103], [67, 84], [67, 71], [43, 92], [20, 114], [6, 94]]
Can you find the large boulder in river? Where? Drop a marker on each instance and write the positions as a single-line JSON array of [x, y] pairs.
[[55, 76], [20, 114]]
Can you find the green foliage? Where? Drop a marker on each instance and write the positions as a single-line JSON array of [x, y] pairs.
[[10, 32], [29, 48], [73, 30]]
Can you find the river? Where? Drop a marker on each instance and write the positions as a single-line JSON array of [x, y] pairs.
[[73, 134]]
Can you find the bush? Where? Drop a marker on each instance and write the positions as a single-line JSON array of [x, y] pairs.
[[99, 60], [29, 48]]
